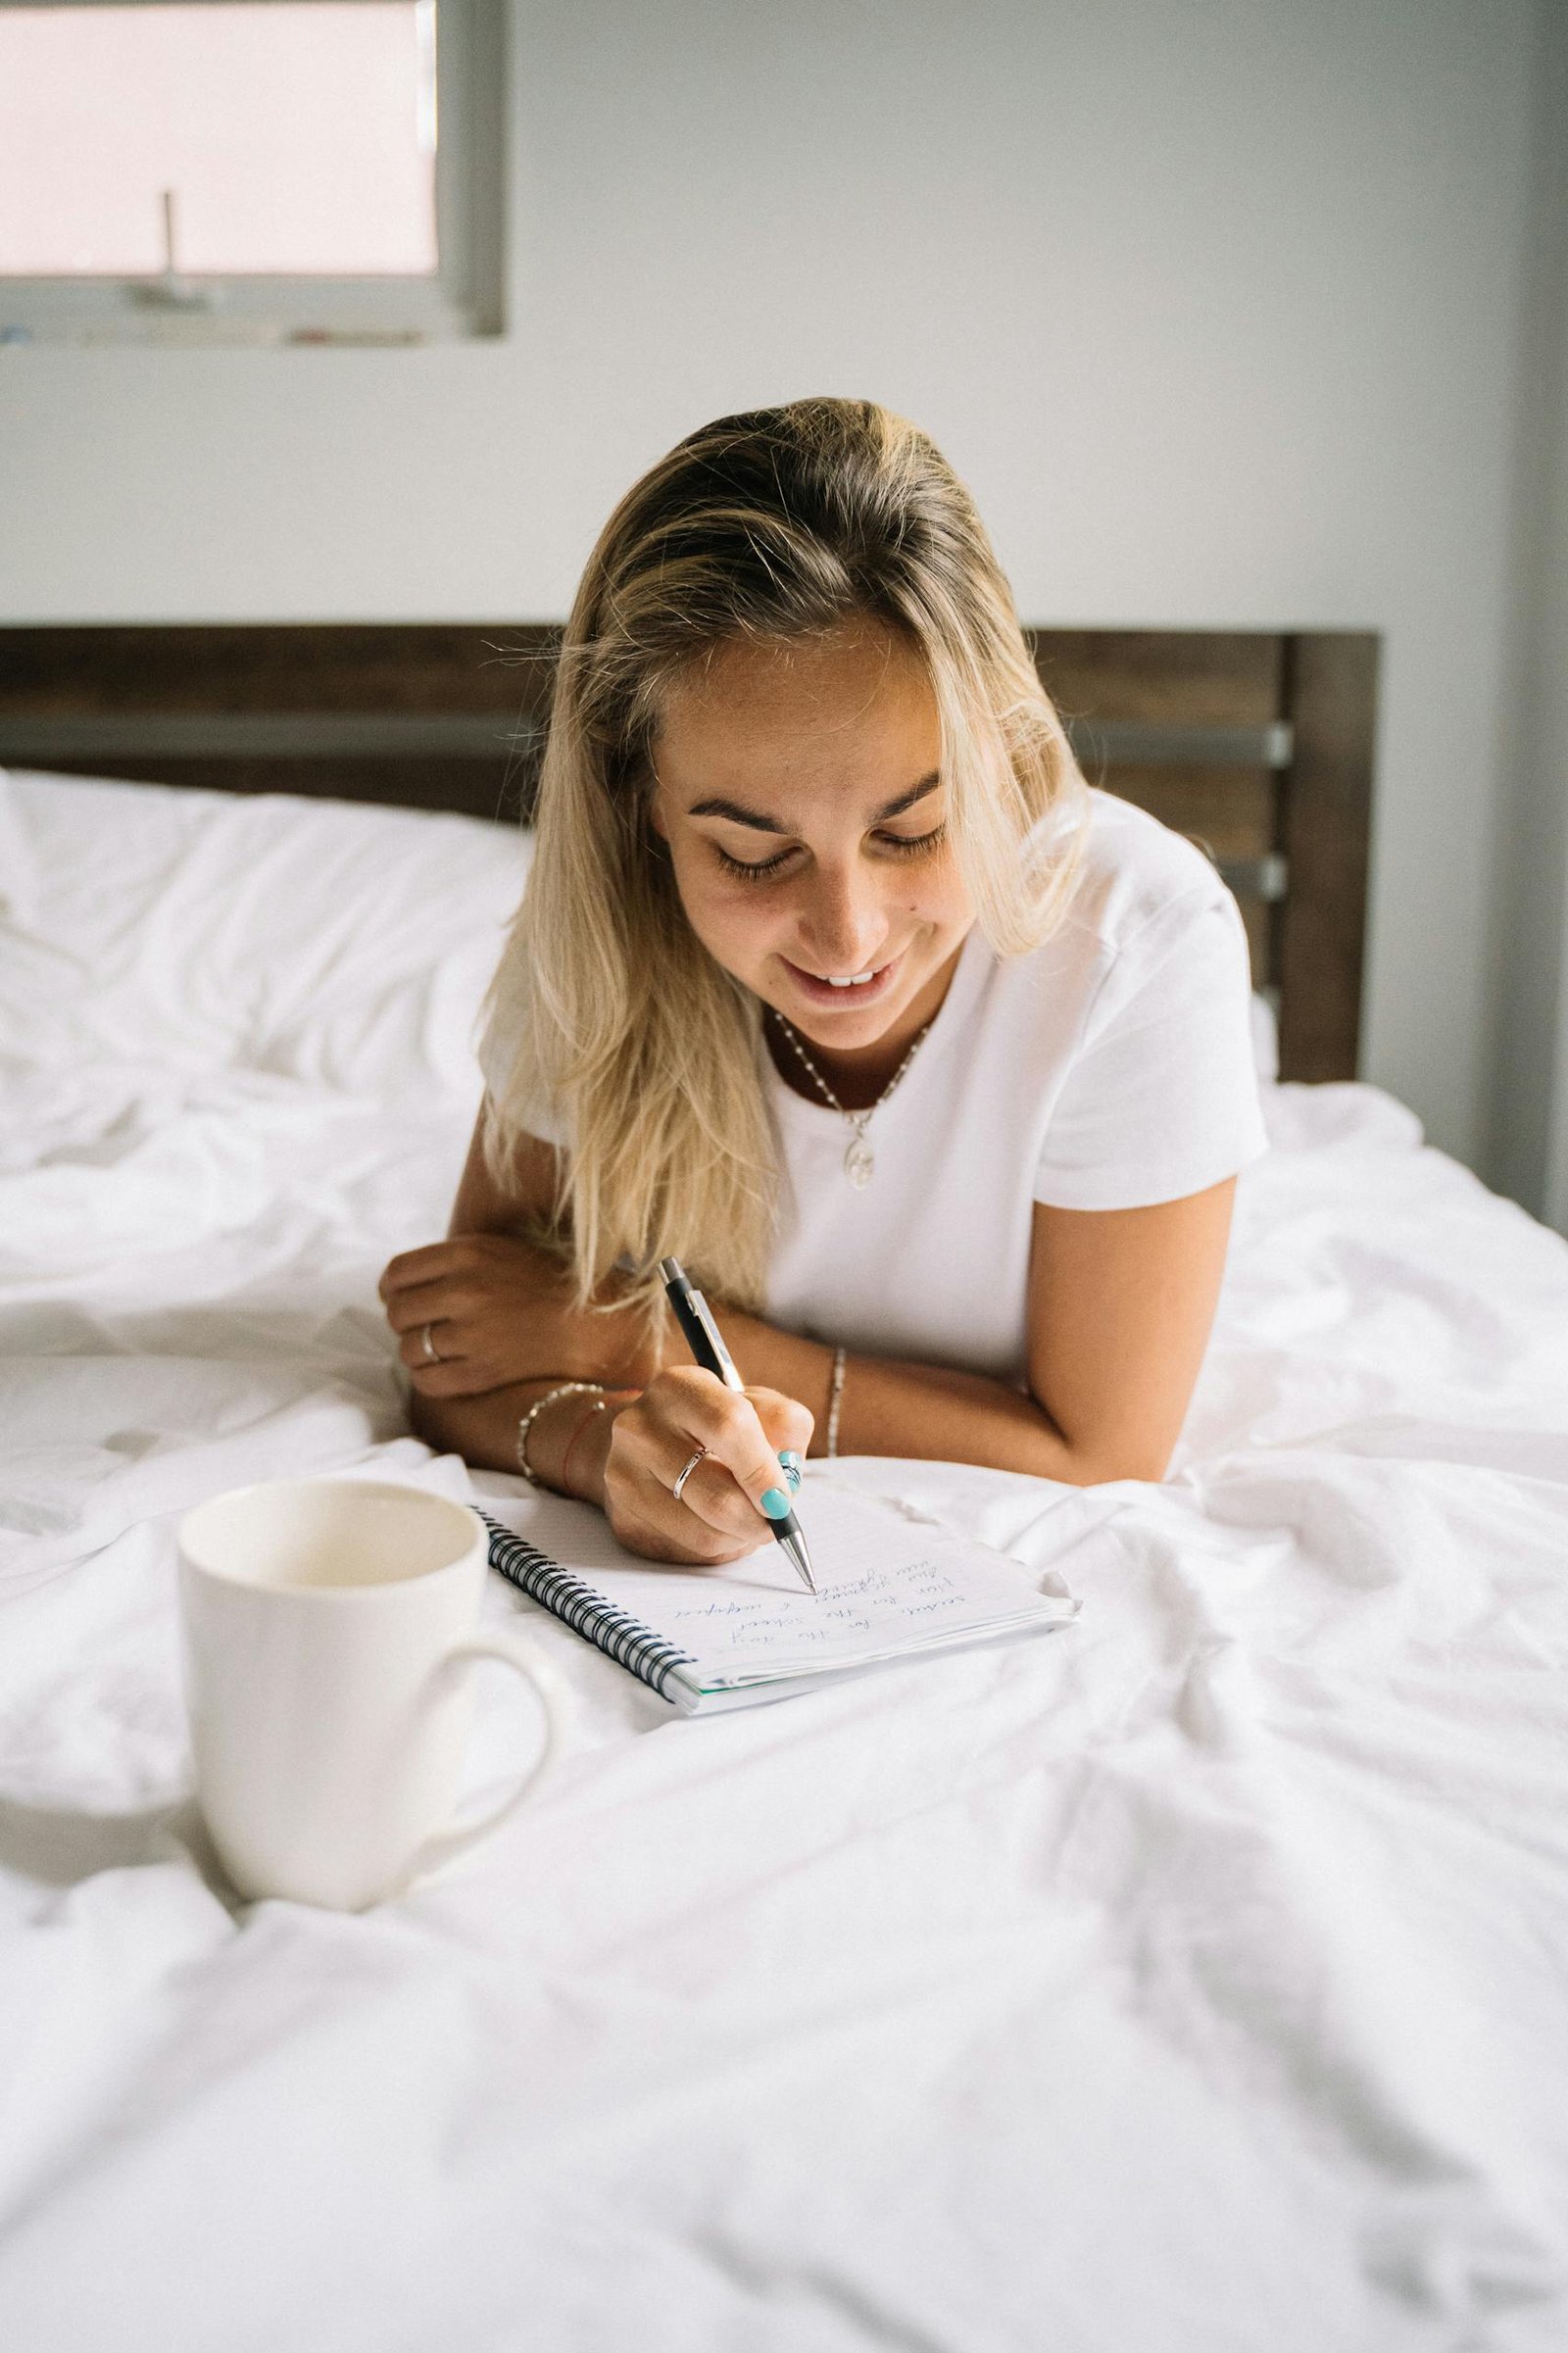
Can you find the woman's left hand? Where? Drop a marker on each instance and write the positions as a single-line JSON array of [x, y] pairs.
[[484, 1310]]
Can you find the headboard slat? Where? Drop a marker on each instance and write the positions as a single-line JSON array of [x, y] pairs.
[[1256, 744]]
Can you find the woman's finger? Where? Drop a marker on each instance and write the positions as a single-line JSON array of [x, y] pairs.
[[481, 1260], [428, 1265], [788, 1423], [718, 1524], [691, 1546], [651, 1445], [459, 1377], [713, 1514], [726, 1422], [428, 1303], [445, 1346], [738, 1485]]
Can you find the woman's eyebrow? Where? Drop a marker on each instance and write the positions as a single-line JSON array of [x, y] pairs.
[[732, 810]]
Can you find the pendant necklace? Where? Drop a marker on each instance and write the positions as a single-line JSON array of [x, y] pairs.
[[859, 1162]]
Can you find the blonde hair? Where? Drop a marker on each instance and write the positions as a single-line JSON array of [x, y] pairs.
[[784, 523]]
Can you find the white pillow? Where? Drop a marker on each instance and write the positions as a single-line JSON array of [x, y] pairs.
[[333, 941], [342, 943]]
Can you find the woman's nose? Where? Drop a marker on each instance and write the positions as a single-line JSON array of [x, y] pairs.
[[844, 929]]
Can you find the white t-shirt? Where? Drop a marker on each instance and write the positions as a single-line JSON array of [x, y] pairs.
[[1111, 1069]]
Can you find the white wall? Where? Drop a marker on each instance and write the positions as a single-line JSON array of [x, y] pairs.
[[1217, 304], [1528, 1151]]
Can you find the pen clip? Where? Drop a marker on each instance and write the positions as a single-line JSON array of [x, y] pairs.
[[722, 1359]]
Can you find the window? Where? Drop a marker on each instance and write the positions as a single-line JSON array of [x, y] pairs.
[[250, 171]]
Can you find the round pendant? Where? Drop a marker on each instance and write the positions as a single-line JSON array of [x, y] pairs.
[[859, 1164]]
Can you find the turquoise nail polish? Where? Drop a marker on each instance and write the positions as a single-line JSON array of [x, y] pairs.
[[790, 1462], [775, 1503]]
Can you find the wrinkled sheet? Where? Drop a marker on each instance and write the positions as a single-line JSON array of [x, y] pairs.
[[1192, 1978]]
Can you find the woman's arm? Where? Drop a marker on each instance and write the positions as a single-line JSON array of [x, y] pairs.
[[1121, 1307], [499, 1310], [500, 1315], [1121, 1303]]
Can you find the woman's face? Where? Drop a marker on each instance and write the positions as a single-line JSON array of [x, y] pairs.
[[798, 789]]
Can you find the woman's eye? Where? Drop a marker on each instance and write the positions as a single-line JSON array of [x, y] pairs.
[[901, 845], [911, 845], [756, 873]]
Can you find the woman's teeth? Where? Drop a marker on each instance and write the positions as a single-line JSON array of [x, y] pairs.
[[872, 983]]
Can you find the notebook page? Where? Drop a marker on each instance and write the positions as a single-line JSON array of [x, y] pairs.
[[886, 1587]]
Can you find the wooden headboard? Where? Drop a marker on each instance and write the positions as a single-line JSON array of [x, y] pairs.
[[1258, 744]]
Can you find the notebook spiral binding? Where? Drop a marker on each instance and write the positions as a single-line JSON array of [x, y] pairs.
[[642, 1653]]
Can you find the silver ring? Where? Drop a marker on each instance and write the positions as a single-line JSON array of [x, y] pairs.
[[432, 1353], [686, 1472]]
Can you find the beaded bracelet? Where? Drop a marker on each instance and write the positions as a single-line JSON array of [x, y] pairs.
[[568, 1389], [835, 1401]]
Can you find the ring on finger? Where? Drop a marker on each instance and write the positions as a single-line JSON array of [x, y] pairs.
[[686, 1472], [432, 1353]]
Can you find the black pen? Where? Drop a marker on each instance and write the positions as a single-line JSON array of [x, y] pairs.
[[706, 1344]]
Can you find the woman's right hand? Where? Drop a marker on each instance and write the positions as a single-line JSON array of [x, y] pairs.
[[720, 1515]]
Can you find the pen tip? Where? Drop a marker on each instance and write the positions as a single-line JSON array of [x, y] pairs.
[[794, 1543]]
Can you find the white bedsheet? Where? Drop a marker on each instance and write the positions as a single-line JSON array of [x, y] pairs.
[[1192, 1979]]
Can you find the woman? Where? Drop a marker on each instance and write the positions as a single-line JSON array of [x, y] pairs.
[[834, 979]]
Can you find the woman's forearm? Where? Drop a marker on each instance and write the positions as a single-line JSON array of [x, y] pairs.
[[483, 1430], [888, 1407], [892, 1407]]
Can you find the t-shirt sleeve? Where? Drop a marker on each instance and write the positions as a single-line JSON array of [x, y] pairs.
[[1161, 1097]]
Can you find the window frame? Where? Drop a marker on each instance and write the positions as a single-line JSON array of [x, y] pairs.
[[462, 298]]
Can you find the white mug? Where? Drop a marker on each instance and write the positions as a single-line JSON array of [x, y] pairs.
[[326, 1625]]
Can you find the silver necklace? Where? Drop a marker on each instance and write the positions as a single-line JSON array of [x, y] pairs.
[[859, 1161]]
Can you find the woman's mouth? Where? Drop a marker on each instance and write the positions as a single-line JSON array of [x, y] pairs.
[[843, 992]]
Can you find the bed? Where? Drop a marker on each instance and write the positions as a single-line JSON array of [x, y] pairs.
[[1190, 1980]]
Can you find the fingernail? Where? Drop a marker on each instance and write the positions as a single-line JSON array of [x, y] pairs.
[[790, 1462], [776, 1504]]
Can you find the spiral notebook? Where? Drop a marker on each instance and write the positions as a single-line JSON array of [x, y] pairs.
[[889, 1586]]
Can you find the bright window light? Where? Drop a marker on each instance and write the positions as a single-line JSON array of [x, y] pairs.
[[283, 137]]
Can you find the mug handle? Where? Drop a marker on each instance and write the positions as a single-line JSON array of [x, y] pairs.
[[529, 1661]]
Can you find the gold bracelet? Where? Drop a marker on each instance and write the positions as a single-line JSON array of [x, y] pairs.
[[568, 1389], [835, 1402], [599, 1405]]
